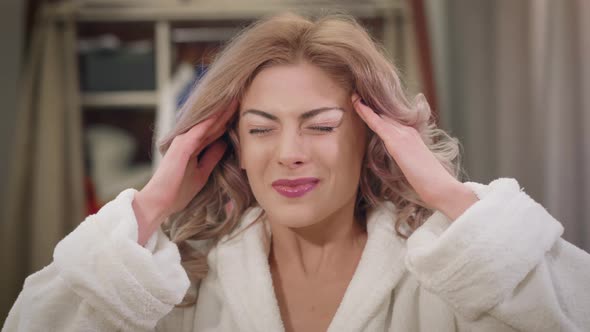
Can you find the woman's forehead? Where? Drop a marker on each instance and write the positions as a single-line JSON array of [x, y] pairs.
[[329, 111], [301, 84], [300, 90]]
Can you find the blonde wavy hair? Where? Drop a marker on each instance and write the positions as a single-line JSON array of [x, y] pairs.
[[346, 52]]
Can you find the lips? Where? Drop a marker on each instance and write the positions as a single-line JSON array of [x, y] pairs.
[[295, 187]]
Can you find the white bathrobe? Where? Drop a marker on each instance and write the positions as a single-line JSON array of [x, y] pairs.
[[501, 266]]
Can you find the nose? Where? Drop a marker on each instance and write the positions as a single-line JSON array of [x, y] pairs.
[[291, 150]]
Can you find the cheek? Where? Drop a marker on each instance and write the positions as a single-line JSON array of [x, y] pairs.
[[327, 149], [340, 153], [347, 169], [253, 155]]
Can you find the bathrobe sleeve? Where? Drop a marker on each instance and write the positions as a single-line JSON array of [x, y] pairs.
[[101, 279], [503, 260]]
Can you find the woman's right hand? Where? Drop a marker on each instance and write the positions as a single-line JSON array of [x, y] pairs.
[[179, 177]]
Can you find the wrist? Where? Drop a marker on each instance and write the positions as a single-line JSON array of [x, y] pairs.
[[455, 201], [149, 215]]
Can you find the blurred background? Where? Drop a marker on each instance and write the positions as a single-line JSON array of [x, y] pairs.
[[86, 87]]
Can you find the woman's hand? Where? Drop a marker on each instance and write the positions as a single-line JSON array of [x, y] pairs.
[[180, 176], [433, 183]]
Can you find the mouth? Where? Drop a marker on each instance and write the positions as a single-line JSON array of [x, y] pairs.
[[295, 188]]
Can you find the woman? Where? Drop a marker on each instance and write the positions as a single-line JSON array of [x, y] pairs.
[[301, 191]]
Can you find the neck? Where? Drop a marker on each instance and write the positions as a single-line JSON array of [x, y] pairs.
[[320, 251]]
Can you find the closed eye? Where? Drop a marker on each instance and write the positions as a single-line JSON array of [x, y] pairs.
[[259, 131], [263, 131], [327, 129]]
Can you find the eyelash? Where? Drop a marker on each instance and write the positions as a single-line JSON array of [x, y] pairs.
[[263, 131], [258, 131], [327, 129]]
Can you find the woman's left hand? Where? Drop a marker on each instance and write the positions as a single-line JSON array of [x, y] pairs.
[[433, 183]]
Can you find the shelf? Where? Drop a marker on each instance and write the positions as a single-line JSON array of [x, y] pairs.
[[191, 35], [143, 10], [120, 99]]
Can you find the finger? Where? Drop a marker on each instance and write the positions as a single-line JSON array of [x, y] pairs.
[[209, 130], [219, 128], [203, 133], [220, 120], [225, 116], [184, 144], [199, 130], [208, 140], [231, 108], [211, 157], [372, 119], [355, 97]]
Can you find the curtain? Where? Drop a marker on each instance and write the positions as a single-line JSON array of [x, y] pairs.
[[513, 80], [45, 191]]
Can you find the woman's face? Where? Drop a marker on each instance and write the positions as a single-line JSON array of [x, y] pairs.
[[296, 122]]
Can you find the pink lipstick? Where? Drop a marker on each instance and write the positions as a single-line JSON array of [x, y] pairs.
[[295, 187]]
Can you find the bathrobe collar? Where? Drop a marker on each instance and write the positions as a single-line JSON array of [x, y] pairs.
[[246, 282]]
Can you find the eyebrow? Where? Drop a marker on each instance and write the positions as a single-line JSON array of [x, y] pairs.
[[304, 116]]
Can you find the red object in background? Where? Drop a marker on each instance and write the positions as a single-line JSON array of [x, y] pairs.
[[92, 205]]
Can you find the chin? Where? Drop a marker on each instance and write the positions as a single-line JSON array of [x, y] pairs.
[[294, 216]]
